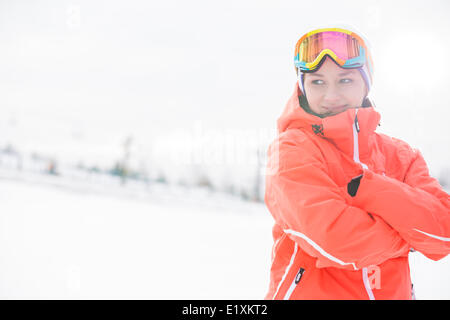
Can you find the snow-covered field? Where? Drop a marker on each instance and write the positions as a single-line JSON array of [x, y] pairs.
[[163, 242]]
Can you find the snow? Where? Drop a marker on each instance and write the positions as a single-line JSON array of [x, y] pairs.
[[60, 243], [62, 239]]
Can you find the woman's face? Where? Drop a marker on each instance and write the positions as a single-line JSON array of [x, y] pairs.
[[332, 89]]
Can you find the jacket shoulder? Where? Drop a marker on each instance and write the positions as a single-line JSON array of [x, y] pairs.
[[396, 146], [399, 154], [293, 148], [296, 139]]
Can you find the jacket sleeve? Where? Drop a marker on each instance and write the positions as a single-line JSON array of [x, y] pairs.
[[314, 211], [418, 208]]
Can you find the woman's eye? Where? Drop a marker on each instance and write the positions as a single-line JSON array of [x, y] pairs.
[[346, 80], [317, 82]]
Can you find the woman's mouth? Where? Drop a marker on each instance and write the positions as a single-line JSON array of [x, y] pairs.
[[336, 108]]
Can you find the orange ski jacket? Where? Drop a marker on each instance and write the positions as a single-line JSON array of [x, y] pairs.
[[329, 244]]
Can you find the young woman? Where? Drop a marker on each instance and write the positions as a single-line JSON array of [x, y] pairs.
[[349, 203]]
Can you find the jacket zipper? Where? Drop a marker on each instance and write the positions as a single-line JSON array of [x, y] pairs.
[[294, 283], [288, 269], [356, 130]]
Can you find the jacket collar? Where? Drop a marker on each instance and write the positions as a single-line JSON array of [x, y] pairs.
[[337, 129]]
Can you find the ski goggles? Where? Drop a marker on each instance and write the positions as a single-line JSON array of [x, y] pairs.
[[343, 46]]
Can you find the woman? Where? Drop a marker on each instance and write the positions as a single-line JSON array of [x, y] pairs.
[[349, 203]]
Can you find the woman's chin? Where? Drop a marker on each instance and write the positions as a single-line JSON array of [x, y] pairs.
[[330, 113]]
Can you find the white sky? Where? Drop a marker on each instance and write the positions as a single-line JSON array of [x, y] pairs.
[[78, 77]]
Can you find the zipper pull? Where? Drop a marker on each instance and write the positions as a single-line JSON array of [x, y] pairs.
[[356, 122], [299, 275]]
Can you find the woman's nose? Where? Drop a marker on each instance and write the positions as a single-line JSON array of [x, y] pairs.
[[331, 94]]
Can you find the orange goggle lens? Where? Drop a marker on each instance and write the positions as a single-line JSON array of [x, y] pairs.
[[345, 47]]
